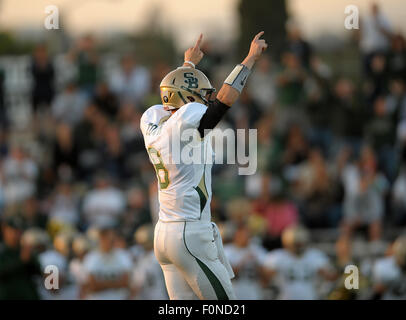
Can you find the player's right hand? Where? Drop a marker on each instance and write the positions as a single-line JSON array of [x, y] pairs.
[[257, 46], [194, 54]]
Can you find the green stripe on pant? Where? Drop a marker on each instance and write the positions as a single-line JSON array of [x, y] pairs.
[[216, 284], [214, 281]]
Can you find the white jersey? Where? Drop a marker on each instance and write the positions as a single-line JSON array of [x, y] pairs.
[[108, 266], [388, 273], [77, 271], [248, 259], [184, 188], [149, 278], [297, 275], [67, 290]]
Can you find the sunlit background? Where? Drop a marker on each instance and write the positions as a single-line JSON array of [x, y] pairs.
[[216, 19], [329, 106]]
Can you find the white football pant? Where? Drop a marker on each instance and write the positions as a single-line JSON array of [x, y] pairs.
[[189, 257]]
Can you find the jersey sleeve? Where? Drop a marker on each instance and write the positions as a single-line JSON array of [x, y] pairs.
[[190, 115], [273, 260], [89, 263], [125, 261], [231, 256], [260, 254], [318, 259], [144, 122], [152, 116], [382, 272], [212, 116]]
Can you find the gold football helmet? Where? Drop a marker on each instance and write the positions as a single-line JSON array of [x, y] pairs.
[[185, 85], [144, 236], [80, 245], [35, 237], [295, 239], [399, 251]]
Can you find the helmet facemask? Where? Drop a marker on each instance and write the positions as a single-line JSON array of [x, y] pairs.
[[203, 94]]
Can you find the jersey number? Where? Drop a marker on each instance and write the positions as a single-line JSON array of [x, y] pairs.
[[161, 171]]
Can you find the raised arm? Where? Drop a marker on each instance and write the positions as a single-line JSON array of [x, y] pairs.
[[193, 55], [235, 82], [233, 85]]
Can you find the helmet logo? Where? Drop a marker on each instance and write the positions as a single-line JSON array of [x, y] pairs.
[[166, 99], [191, 81]]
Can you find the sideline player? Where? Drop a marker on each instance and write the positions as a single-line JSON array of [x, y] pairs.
[[147, 279], [297, 267], [246, 258], [187, 244], [389, 273]]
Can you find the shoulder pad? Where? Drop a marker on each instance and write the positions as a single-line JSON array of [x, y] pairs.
[[191, 113]]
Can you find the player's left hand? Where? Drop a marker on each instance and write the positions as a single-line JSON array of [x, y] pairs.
[[194, 54], [258, 46]]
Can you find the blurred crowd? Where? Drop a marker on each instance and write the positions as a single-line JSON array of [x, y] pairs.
[[77, 190]]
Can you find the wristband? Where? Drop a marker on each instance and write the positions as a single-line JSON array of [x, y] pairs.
[[191, 63], [238, 77]]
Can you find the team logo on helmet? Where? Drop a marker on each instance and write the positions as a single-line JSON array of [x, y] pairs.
[[191, 81], [184, 85]]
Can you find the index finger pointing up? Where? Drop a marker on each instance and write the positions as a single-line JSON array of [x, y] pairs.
[[199, 41], [259, 35]]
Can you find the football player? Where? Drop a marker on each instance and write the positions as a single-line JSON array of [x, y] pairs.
[[81, 246], [389, 273], [246, 258], [148, 280], [58, 256], [186, 243], [297, 267], [107, 268]]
